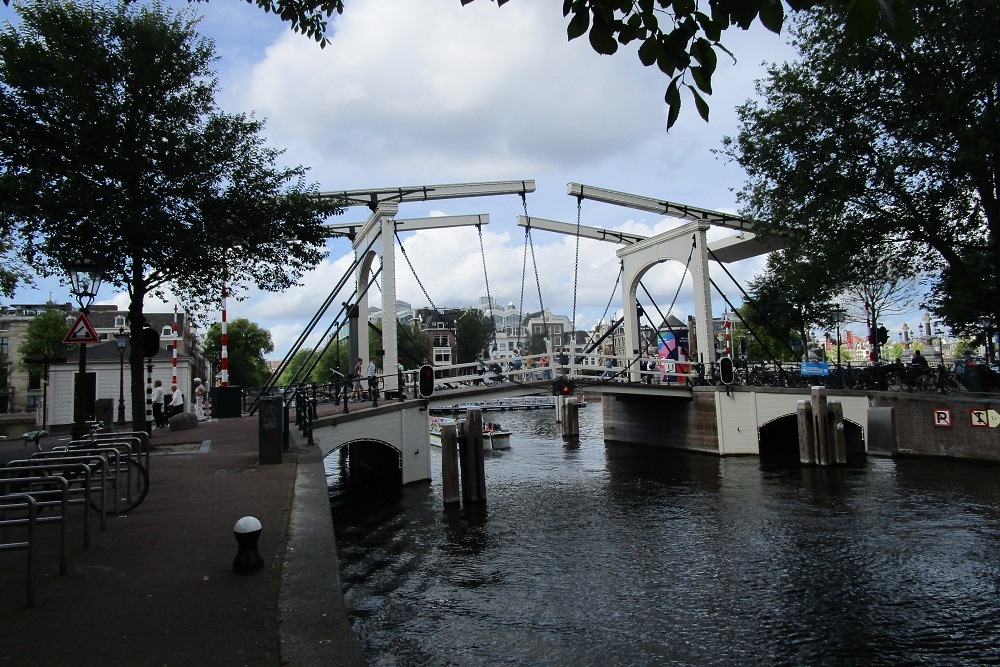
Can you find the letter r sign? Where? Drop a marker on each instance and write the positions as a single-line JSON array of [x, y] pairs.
[[942, 417]]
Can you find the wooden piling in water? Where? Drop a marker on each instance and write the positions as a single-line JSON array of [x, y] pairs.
[[822, 440], [474, 428], [449, 465], [570, 410]]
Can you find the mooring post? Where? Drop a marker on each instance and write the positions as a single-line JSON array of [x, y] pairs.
[[474, 429], [817, 397], [560, 401], [807, 443], [467, 460], [449, 465], [571, 419]]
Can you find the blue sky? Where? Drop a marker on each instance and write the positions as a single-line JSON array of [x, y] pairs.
[[425, 92]]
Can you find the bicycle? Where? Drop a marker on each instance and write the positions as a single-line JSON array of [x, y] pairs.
[[126, 481]]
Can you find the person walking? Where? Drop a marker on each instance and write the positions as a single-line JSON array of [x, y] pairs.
[[200, 392], [158, 418]]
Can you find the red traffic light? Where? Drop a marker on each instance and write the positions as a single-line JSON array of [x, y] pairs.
[[425, 384]]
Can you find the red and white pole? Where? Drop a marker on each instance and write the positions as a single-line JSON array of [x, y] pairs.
[[174, 381], [224, 343], [728, 327]]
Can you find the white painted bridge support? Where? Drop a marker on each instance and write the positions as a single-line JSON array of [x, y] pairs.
[[676, 245]]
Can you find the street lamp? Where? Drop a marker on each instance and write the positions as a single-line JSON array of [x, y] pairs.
[[839, 313], [86, 281], [121, 340]]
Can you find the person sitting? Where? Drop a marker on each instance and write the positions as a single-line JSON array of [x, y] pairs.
[[918, 360]]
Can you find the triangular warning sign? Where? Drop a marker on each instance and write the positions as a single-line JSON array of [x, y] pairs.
[[81, 332]]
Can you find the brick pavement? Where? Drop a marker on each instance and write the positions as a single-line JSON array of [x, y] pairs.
[[157, 587]]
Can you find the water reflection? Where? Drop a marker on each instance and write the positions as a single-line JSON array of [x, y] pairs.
[[621, 555]]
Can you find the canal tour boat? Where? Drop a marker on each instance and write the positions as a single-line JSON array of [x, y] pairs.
[[494, 437]]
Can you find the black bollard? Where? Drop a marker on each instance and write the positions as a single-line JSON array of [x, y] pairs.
[[248, 560]]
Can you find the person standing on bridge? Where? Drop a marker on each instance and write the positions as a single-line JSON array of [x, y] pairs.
[[356, 374], [372, 375]]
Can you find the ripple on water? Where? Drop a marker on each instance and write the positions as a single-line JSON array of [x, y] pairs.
[[618, 555]]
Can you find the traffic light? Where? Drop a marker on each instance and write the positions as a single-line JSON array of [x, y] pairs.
[[425, 384], [883, 335], [563, 387], [726, 371]]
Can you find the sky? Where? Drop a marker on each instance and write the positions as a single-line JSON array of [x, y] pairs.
[[424, 92]]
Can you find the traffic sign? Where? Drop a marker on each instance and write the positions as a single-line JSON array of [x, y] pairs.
[[994, 418], [979, 418], [81, 332], [942, 417]]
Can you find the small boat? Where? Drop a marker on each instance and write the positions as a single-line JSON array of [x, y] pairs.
[[494, 437]]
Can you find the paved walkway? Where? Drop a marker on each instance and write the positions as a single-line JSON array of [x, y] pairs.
[[157, 587]]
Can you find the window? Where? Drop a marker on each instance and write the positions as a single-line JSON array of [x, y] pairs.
[[4, 326], [442, 356], [34, 402], [119, 321], [34, 379], [4, 346], [104, 336], [167, 331]]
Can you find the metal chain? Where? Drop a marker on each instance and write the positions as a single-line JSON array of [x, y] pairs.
[[412, 270], [538, 285], [576, 259], [621, 270], [489, 297]]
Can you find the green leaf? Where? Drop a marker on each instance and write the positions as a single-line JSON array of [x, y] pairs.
[[673, 112], [711, 29], [649, 51], [702, 79], [700, 104], [772, 15], [602, 41], [578, 24]]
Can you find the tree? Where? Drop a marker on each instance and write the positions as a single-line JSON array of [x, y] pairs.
[[44, 337], [246, 345], [881, 148], [533, 344], [112, 150], [791, 295], [474, 333], [413, 344]]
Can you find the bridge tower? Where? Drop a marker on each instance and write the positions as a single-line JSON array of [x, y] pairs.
[[375, 238], [640, 253]]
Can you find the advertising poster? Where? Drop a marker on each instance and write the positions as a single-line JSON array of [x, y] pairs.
[[673, 350]]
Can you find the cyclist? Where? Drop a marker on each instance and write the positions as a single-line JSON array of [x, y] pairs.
[[918, 360]]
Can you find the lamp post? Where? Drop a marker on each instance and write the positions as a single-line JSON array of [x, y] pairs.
[[839, 313], [86, 281], [121, 340]]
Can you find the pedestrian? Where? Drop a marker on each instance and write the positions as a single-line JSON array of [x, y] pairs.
[[356, 375], [608, 373], [200, 391], [158, 420], [165, 410], [176, 401], [372, 375]]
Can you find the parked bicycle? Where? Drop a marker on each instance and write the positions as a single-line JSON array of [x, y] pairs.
[[126, 481]]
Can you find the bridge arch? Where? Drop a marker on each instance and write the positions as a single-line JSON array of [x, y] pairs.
[[373, 462], [778, 440]]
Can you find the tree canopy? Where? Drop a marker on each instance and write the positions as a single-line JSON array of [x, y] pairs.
[[113, 152], [247, 345], [880, 154]]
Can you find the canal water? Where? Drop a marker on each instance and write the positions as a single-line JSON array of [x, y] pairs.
[[617, 555]]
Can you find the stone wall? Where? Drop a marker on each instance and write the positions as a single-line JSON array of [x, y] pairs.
[[920, 430]]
